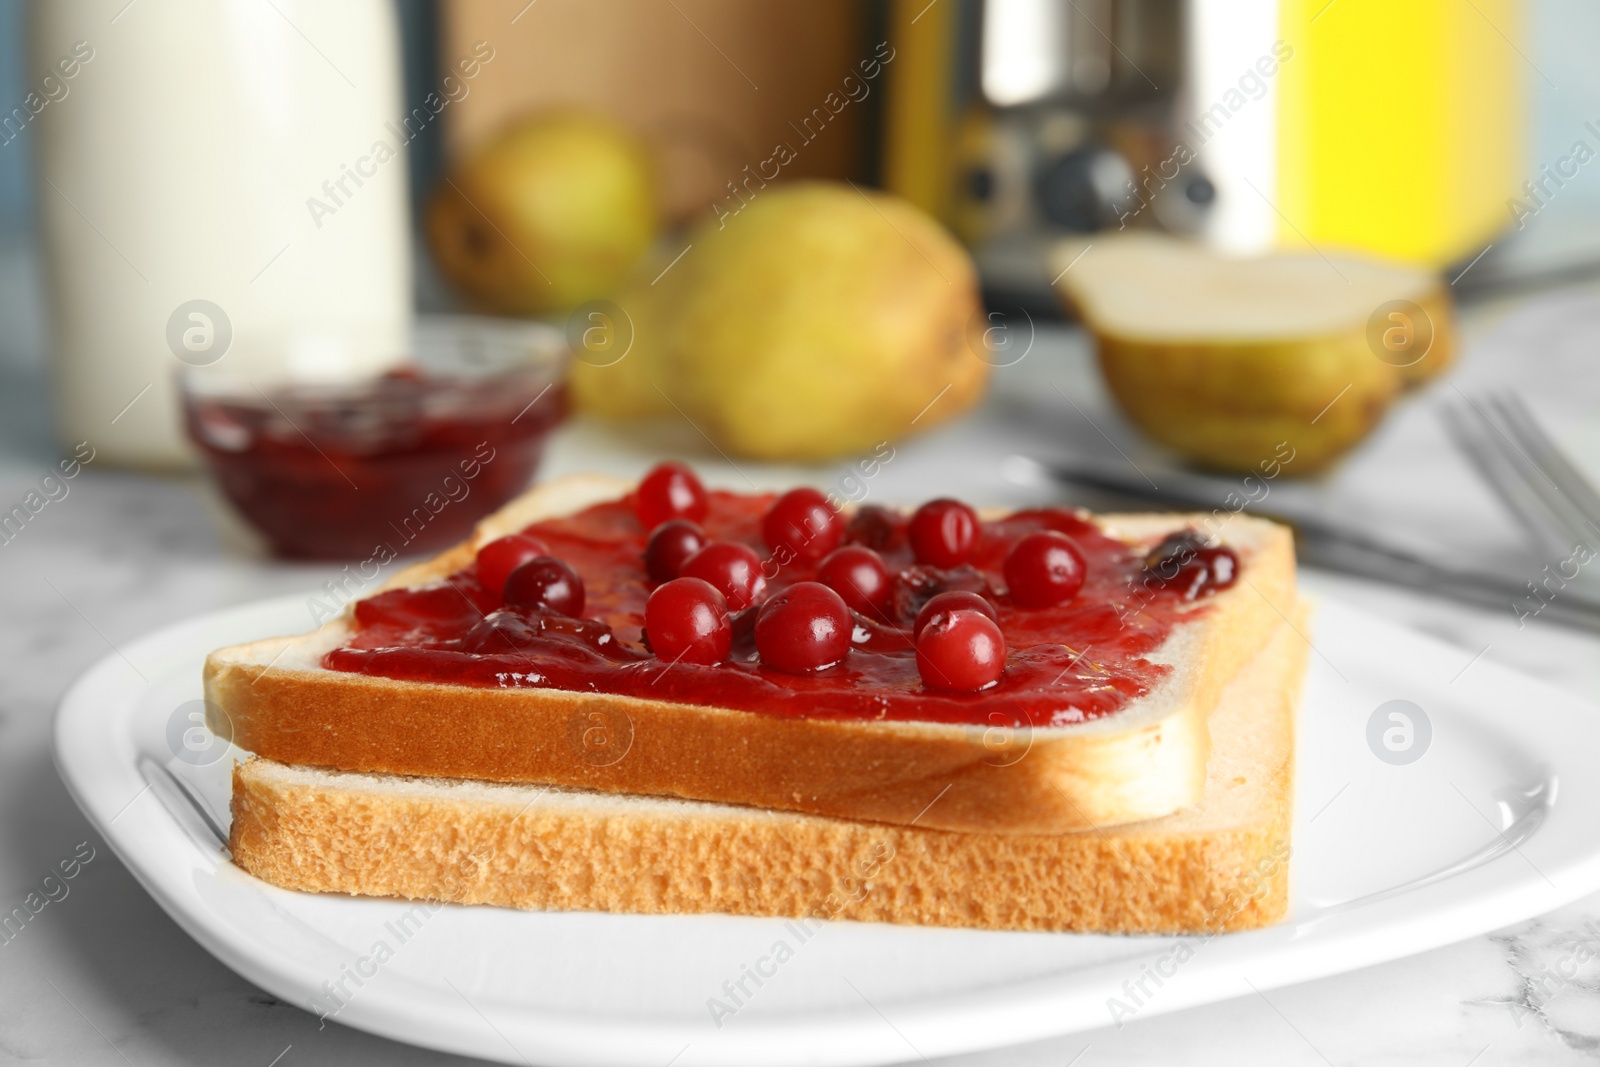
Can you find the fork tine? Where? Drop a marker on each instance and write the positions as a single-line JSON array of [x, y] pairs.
[[1565, 523], [1552, 462], [1562, 510], [1560, 507], [1466, 427]]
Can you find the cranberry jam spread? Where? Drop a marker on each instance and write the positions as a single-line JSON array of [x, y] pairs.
[[781, 606]]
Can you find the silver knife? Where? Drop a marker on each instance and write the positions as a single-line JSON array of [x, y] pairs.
[[1334, 547]]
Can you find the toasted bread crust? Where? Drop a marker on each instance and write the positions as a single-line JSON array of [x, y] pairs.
[[1220, 867], [943, 776]]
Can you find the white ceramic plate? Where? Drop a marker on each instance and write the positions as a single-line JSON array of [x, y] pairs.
[[1494, 823]]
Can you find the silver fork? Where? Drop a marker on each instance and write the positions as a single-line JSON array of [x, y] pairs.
[[1551, 499]]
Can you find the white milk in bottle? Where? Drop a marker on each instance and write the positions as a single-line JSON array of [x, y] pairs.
[[210, 192]]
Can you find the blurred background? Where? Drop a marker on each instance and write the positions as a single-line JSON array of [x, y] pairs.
[[322, 254], [289, 286]]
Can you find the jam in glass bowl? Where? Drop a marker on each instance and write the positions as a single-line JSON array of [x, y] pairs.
[[403, 463]]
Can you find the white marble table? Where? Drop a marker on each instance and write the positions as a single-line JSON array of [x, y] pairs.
[[102, 976]]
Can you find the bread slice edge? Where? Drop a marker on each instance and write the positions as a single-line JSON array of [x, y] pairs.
[[1221, 866]]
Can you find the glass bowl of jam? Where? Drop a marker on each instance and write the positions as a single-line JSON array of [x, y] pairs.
[[379, 467]]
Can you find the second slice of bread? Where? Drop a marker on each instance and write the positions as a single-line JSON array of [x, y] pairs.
[[1148, 760]]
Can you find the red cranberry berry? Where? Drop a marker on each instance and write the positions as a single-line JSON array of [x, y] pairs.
[[961, 650], [806, 627], [734, 569], [955, 600], [687, 621], [670, 544], [877, 528], [1176, 549], [669, 491], [545, 581], [1043, 569], [498, 558], [859, 576], [943, 533], [1185, 561], [802, 522]]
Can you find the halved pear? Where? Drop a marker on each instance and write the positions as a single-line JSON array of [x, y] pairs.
[[1226, 359]]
